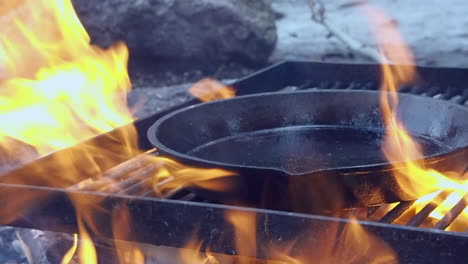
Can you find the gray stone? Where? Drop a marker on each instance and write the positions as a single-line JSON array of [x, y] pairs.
[[184, 34]]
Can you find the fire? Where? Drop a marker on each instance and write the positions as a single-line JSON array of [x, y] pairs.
[[191, 254], [86, 251], [68, 257], [58, 90], [334, 242], [210, 90], [172, 176], [412, 175], [128, 254], [245, 229]]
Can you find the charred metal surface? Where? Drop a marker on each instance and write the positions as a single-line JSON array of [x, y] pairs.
[[173, 223]]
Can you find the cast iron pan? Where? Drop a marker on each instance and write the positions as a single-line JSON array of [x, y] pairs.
[[310, 150]]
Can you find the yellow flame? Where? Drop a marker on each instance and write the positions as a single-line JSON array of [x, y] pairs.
[[68, 257], [399, 147], [86, 250], [58, 89], [443, 204]]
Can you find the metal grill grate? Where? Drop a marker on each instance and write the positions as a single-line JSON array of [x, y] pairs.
[[453, 94], [136, 177], [404, 213]]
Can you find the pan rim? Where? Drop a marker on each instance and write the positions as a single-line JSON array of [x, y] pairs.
[[152, 131]]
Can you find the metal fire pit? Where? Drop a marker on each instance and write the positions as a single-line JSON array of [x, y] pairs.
[[171, 221]]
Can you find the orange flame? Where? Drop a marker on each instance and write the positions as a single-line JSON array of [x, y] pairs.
[[191, 254], [172, 175], [127, 254], [57, 90], [210, 90], [335, 243], [244, 224], [411, 174]]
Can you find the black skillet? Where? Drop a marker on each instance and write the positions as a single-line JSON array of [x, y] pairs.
[[310, 150]]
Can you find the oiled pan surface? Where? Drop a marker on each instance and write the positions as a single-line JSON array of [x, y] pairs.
[[301, 132], [301, 149], [310, 135]]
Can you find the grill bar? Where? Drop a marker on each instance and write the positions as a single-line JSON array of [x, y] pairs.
[[135, 177], [396, 212], [114, 174], [419, 218], [452, 214], [451, 93]]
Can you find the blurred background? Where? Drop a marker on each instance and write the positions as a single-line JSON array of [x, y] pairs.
[[174, 43]]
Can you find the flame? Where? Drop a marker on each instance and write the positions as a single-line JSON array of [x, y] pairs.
[[440, 203], [191, 254], [58, 90], [333, 243], [399, 147], [171, 175], [68, 257], [86, 251], [121, 224], [210, 90], [339, 243], [244, 224]]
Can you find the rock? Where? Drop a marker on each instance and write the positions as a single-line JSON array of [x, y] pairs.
[[181, 34]]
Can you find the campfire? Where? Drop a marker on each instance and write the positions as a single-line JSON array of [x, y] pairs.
[[210, 183]]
